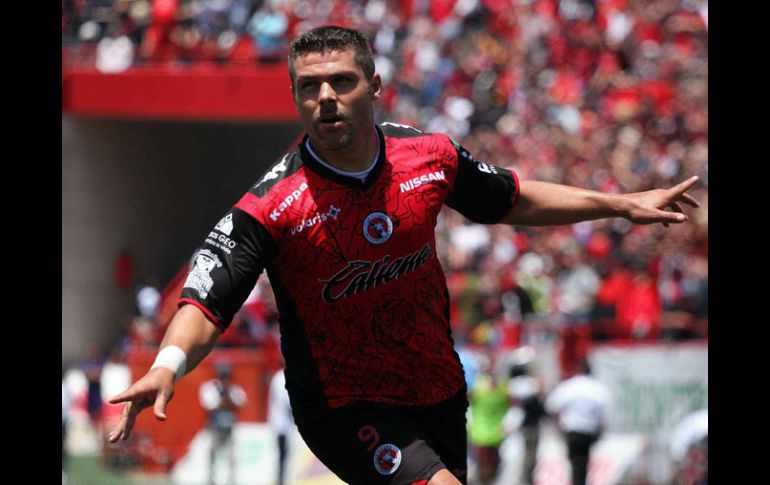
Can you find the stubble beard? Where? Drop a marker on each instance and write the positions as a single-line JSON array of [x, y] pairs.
[[336, 142]]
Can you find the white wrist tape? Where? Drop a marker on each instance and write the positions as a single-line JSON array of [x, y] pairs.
[[172, 358]]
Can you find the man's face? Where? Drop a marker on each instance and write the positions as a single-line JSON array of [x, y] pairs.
[[333, 98]]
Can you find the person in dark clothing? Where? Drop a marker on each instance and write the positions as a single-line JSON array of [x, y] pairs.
[[524, 392]]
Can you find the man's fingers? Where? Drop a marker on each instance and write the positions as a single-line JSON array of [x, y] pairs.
[[683, 186], [116, 434], [676, 207], [130, 420], [690, 200], [119, 430], [666, 217], [124, 396], [160, 405], [146, 392]]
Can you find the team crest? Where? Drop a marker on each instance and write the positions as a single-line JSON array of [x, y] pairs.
[[377, 228], [199, 278], [387, 458], [225, 225]]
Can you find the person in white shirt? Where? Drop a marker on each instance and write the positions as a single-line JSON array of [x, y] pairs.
[[221, 398], [689, 447], [280, 418], [581, 404]]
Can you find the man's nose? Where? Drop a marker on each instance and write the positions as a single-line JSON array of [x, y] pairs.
[[326, 93]]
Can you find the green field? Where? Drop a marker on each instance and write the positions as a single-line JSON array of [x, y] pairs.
[[90, 470]]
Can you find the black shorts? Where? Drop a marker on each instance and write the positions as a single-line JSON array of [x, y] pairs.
[[370, 443]]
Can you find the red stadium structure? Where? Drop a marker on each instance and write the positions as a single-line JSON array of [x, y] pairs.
[[199, 93]]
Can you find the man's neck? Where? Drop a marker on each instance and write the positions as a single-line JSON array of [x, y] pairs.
[[353, 158]]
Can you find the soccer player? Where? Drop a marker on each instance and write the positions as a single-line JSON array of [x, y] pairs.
[[344, 226]]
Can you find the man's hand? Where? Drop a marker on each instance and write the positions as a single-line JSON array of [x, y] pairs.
[[649, 207], [156, 388], [195, 336]]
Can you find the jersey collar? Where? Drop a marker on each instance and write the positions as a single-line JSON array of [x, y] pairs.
[[352, 182]]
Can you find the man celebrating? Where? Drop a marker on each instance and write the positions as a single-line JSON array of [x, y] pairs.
[[344, 225]]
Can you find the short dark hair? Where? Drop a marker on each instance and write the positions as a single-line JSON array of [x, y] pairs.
[[333, 38]]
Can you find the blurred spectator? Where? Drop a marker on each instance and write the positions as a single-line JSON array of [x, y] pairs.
[[580, 403], [689, 448], [525, 394], [221, 398], [268, 27], [66, 406], [237, 334], [213, 23], [115, 51], [281, 420], [256, 314], [92, 369], [148, 300], [143, 334], [576, 285], [639, 309], [615, 283], [488, 406], [115, 378], [534, 278]]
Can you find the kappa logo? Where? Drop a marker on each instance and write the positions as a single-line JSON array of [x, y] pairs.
[[199, 278], [397, 125], [287, 202], [377, 228], [387, 459], [225, 225], [317, 219], [273, 173]]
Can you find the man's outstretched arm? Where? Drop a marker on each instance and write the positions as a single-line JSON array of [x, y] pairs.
[[191, 332], [547, 204]]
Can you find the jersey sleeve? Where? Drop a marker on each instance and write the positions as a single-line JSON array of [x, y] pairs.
[[483, 193], [227, 265]]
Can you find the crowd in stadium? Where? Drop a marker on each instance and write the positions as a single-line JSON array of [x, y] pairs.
[[604, 94], [610, 95]]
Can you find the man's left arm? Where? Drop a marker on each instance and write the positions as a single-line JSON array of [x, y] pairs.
[[548, 204]]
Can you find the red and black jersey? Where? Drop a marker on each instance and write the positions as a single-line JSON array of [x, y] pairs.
[[361, 294]]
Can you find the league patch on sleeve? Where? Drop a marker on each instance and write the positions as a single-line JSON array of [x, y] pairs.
[[199, 278]]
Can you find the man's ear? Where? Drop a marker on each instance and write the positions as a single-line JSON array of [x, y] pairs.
[[375, 86]]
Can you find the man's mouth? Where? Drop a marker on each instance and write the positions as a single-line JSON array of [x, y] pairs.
[[332, 121]]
